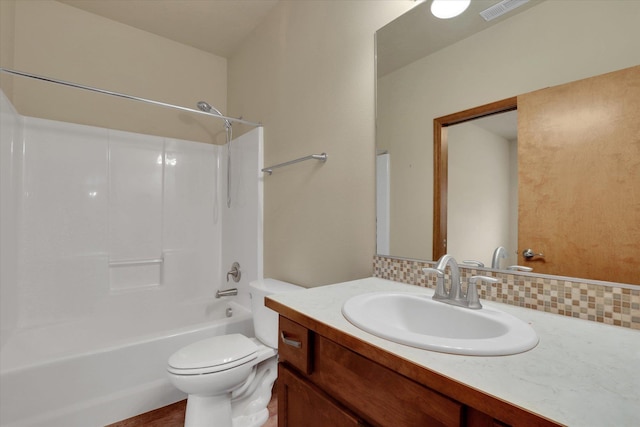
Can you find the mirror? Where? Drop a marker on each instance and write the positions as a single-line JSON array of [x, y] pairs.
[[536, 46], [482, 179]]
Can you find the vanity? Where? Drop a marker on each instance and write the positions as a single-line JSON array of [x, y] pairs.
[[332, 373]]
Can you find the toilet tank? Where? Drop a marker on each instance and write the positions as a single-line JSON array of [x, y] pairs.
[[265, 320]]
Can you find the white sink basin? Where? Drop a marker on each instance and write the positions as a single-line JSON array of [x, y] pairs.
[[418, 321]]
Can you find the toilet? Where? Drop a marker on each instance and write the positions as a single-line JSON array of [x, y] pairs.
[[229, 378]]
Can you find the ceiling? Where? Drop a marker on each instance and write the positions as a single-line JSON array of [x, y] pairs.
[[214, 26], [418, 33], [220, 26]]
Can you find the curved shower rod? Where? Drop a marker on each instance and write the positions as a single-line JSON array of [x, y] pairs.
[[122, 95]]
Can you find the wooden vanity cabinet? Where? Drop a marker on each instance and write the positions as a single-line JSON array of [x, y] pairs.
[[300, 403], [322, 383]]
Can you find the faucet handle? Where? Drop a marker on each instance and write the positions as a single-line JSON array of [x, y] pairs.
[[519, 268], [473, 300], [473, 262], [235, 272], [440, 292], [430, 270]]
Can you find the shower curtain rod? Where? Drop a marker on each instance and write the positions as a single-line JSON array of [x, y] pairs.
[[122, 95]]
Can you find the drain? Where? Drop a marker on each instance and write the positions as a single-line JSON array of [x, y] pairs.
[[229, 312]]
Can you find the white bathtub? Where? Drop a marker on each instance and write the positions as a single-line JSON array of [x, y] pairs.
[[103, 370]]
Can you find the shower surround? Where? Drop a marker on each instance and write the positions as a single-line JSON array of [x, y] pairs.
[[112, 241]]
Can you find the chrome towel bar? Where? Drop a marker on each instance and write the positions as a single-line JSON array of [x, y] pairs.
[[322, 157]]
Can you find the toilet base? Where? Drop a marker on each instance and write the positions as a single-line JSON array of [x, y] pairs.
[[249, 408], [208, 411], [245, 406], [254, 420]]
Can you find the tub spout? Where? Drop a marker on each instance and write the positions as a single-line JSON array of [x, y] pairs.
[[227, 292]]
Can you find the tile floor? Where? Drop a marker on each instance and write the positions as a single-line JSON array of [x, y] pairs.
[[273, 412]]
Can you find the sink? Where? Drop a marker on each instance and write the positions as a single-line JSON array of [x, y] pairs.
[[419, 321]]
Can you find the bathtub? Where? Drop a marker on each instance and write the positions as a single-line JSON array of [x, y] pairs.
[[105, 369]]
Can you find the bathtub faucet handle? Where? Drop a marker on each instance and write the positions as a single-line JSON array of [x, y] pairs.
[[235, 272]]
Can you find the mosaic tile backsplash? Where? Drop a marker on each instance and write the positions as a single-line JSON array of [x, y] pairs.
[[602, 303]]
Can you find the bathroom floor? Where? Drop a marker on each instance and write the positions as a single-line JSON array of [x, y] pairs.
[[173, 416]]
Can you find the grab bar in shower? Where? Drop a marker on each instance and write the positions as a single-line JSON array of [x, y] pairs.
[[127, 262], [322, 157]]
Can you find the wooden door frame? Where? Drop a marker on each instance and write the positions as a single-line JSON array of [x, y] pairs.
[[441, 159]]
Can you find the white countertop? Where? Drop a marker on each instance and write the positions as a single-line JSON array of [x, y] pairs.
[[581, 373]]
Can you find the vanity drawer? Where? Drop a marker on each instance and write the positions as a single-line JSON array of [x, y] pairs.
[[294, 346], [379, 395]]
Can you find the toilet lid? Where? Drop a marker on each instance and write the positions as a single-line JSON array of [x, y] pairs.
[[214, 354]]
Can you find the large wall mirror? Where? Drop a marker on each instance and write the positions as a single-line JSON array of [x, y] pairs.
[[429, 68]]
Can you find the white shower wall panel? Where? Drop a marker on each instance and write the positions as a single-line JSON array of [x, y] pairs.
[[135, 209], [135, 196], [64, 221], [95, 197], [65, 189], [243, 220], [192, 217], [10, 188]]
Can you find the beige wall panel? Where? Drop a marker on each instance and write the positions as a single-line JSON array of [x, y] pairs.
[[308, 74], [66, 43], [7, 33]]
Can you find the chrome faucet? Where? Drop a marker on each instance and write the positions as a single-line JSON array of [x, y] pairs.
[[500, 252], [454, 295], [441, 294]]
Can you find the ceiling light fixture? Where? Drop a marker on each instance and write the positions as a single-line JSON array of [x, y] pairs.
[[445, 9]]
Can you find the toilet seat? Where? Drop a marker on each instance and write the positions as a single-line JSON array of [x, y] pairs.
[[213, 355]]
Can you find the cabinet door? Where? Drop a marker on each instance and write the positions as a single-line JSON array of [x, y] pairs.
[[300, 404]]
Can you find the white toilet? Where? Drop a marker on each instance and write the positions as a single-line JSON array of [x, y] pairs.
[[229, 378]]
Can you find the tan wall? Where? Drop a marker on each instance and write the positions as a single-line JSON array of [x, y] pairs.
[[7, 31], [307, 73], [66, 43]]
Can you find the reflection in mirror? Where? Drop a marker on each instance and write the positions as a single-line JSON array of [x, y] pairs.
[[382, 202], [541, 46], [482, 190], [474, 180]]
